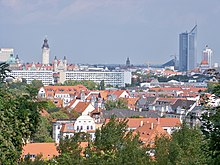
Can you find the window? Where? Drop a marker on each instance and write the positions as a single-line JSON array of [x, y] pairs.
[[91, 127], [87, 127]]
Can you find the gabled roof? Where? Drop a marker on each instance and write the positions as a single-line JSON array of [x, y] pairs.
[[131, 101], [48, 150], [81, 107], [149, 131], [76, 88], [72, 102], [182, 103], [147, 100]]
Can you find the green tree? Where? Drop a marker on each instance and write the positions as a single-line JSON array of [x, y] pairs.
[[43, 132], [19, 118], [102, 85], [162, 150], [70, 150], [59, 115], [114, 145], [91, 85], [211, 129], [37, 84], [185, 147], [119, 104]]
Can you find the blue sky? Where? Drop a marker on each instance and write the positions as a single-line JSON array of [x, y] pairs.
[[107, 31]]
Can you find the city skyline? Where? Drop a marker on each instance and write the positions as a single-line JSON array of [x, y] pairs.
[[107, 32]]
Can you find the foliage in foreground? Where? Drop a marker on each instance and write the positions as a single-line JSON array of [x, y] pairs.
[[19, 117]]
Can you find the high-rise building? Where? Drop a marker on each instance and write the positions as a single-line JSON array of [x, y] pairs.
[[5, 54], [207, 55], [45, 53], [187, 50]]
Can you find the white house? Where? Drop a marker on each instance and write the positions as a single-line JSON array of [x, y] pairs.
[[86, 124], [67, 128]]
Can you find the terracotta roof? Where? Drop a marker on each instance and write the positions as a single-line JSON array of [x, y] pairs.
[[132, 101], [149, 131], [81, 106], [163, 122], [48, 150], [72, 102], [67, 128], [71, 89]]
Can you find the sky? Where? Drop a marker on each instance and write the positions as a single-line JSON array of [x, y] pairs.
[[107, 31]]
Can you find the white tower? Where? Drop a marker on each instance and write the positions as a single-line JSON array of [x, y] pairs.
[[207, 55], [45, 53]]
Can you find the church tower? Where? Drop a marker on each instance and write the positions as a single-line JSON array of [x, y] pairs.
[[128, 63], [45, 53], [65, 63]]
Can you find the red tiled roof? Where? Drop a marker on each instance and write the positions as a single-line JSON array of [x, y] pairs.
[[163, 122], [66, 128], [149, 131], [81, 106], [48, 150]]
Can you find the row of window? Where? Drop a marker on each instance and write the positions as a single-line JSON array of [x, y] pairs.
[[87, 127]]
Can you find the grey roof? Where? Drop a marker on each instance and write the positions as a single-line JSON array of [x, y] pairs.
[[182, 103], [125, 113], [147, 100]]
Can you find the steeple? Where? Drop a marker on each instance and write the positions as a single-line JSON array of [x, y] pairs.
[[128, 63], [45, 53], [45, 45]]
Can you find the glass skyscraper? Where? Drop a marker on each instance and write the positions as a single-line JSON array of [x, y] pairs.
[[187, 50]]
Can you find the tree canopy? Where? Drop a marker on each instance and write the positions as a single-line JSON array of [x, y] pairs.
[[91, 85]]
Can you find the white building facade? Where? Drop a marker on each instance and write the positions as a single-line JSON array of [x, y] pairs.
[[119, 78], [45, 76]]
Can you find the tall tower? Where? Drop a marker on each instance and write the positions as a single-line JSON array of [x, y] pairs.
[[187, 50], [207, 55], [128, 63], [45, 53]]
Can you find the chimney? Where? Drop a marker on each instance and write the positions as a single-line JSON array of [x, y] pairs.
[[142, 123], [152, 126]]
